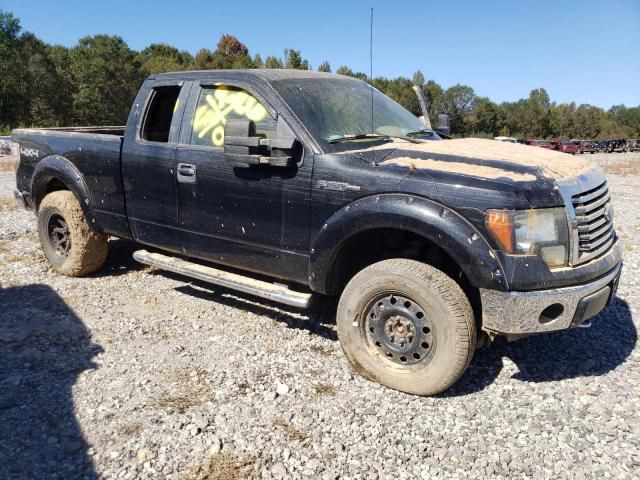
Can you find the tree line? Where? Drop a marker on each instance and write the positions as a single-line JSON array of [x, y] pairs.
[[95, 81]]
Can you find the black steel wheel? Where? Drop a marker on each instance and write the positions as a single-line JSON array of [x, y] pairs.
[[399, 328], [59, 235], [406, 325]]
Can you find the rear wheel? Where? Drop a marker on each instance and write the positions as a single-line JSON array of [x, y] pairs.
[[71, 246], [406, 325]]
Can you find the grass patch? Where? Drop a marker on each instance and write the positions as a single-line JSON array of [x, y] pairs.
[[324, 389], [187, 375], [222, 466], [7, 204], [183, 400], [130, 429], [8, 164], [16, 258], [290, 431]]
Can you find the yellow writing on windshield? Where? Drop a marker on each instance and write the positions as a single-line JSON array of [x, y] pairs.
[[211, 115]]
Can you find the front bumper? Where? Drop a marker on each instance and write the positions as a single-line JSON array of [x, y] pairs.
[[547, 310]]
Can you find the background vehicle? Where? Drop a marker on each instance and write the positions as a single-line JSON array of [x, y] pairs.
[[588, 146], [633, 145], [540, 143], [619, 145], [433, 246], [568, 147], [507, 139], [605, 146], [5, 145]]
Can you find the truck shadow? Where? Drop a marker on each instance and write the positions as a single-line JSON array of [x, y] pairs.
[[319, 319], [120, 259], [562, 355], [44, 346]]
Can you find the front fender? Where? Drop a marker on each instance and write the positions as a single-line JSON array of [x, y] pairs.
[[55, 167], [433, 221]]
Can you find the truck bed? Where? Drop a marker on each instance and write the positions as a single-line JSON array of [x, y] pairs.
[[100, 130], [94, 151]]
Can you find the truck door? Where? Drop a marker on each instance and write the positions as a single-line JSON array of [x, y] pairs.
[[254, 218], [149, 163]]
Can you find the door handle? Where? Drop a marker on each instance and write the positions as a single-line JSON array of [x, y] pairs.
[[186, 173]]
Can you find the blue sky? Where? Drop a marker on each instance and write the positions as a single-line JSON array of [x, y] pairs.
[[581, 50]]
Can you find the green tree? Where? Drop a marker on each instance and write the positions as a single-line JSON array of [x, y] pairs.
[[107, 78], [434, 95], [400, 89], [457, 102], [628, 118], [485, 117], [344, 70], [50, 88], [12, 89], [204, 60], [293, 59], [160, 57], [324, 67], [538, 113], [515, 117], [273, 62], [562, 120], [587, 121]]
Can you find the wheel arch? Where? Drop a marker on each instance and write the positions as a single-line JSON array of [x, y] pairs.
[[419, 217], [58, 173]]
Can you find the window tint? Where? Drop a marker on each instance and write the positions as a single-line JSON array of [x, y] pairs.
[[157, 122], [218, 104]]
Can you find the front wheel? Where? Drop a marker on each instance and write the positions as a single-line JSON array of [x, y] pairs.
[[406, 325], [71, 246]]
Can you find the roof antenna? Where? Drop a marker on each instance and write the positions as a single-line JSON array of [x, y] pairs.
[[371, 77]]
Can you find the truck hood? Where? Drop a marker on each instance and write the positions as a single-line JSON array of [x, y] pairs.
[[488, 159]]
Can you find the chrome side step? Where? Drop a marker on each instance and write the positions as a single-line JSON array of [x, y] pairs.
[[259, 288]]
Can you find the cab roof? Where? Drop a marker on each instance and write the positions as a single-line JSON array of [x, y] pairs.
[[264, 74]]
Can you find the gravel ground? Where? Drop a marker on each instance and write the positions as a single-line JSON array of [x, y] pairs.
[[136, 373]]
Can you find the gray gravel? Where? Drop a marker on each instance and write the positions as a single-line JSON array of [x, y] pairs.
[[135, 373]]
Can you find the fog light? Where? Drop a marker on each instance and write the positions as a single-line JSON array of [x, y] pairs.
[[554, 256]]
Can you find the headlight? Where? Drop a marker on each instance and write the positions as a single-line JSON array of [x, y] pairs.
[[542, 232]]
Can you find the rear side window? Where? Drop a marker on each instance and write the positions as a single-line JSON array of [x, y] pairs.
[[218, 104], [157, 121]]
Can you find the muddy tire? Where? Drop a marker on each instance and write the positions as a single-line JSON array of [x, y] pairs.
[[71, 246], [406, 325]]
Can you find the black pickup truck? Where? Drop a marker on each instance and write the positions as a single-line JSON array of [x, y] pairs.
[[284, 184]]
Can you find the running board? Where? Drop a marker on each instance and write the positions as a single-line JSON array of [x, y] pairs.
[[270, 291]]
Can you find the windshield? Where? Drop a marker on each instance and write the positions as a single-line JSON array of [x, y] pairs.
[[336, 109]]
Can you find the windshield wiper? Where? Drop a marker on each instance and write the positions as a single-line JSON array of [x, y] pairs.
[[424, 131], [359, 136]]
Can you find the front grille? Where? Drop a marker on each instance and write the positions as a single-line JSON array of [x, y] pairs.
[[594, 216]]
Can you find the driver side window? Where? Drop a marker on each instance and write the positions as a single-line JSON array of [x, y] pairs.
[[220, 103]]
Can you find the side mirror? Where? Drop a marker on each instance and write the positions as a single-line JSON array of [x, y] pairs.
[[243, 148], [443, 124]]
